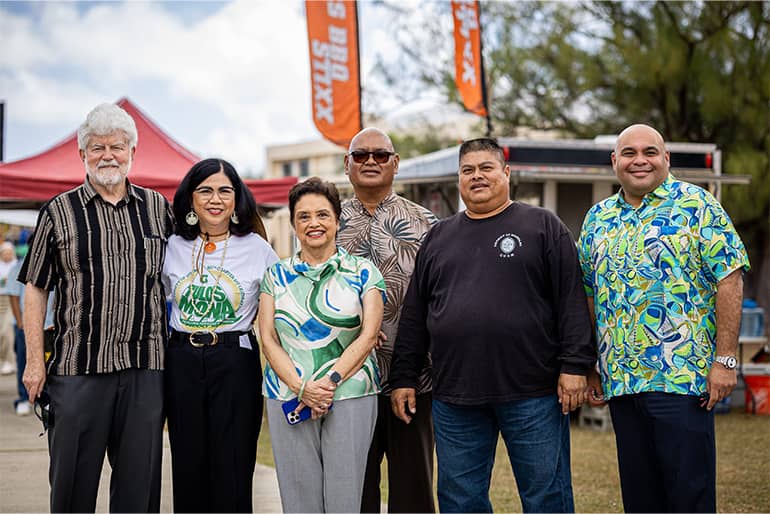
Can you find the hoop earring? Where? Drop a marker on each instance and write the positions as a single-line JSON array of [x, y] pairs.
[[191, 218], [234, 218]]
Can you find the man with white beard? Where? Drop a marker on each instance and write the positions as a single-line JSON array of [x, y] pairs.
[[101, 246]]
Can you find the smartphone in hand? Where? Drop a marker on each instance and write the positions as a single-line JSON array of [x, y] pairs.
[[294, 418]]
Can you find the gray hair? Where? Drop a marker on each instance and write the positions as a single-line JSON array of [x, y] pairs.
[[105, 119]]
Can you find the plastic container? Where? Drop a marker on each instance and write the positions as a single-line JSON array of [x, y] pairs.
[[752, 322], [760, 388]]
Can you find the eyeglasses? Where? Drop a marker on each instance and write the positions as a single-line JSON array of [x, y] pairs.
[[207, 193], [43, 411], [380, 156]]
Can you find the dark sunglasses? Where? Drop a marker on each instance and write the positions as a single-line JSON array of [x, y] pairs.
[[380, 156], [43, 411]]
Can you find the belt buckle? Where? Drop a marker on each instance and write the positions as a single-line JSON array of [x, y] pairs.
[[193, 336]]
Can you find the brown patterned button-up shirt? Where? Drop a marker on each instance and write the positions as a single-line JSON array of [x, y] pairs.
[[389, 238], [104, 261]]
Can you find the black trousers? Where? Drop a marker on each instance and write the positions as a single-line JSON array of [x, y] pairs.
[[666, 453], [120, 413], [409, 449], [214, 408]]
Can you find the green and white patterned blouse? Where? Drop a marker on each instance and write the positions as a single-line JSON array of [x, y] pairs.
[[318, 313]]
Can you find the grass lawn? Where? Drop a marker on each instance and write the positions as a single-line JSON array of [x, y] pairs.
[[743, 467]]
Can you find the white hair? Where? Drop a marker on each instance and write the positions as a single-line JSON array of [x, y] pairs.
[[105, 119]]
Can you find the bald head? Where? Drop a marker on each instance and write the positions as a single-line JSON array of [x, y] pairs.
[[371, 133], [636, 130]]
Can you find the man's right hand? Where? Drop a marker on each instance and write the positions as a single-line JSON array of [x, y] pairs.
[[594, 390], [34, 378], [404, 403]]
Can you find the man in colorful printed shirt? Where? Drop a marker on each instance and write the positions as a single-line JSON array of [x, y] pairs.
[[388, 230], [662, 268]]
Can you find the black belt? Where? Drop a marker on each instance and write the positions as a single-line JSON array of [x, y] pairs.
[[203, 338]]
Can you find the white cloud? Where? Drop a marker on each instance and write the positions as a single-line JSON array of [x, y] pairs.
[[222, 80], [243, 67]]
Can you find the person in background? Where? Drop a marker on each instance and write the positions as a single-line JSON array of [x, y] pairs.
[[213, 269], [101, 247], [662, 267], [15, 290], [496, 298], [388, 229], [320, 313], [7, 262]]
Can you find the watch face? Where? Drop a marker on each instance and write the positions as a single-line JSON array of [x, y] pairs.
[[335, 377], [728, 362]]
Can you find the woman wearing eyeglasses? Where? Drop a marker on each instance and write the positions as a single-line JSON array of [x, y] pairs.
[[213, 270], [320, 312]]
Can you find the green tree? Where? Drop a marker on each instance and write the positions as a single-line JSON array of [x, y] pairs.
[[698, 71]]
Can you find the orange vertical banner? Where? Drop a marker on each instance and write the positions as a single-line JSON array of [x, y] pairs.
[[469, 69], [332, 29]]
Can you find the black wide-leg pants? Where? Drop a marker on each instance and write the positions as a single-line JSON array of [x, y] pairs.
[[214, 409]]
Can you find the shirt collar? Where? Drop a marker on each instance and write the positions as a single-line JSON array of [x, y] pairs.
[[662, 191], [389, 200], [89, 192], [318, 271]]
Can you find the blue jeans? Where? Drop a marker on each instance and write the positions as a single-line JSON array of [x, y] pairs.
[[536, 435], [20, 346]]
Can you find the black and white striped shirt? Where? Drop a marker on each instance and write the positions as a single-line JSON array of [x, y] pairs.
[[105, 262]]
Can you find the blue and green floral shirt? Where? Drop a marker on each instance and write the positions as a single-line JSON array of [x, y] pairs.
[[318, 313], [653, 272]]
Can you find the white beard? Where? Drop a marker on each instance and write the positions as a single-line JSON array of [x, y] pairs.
[[108, 177]]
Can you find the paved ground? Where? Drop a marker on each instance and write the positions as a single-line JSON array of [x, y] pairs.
[[24, 466]]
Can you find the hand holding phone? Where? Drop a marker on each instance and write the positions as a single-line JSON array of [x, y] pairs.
[[289, 407]]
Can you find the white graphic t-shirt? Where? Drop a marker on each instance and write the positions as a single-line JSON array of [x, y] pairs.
[[225, 297]]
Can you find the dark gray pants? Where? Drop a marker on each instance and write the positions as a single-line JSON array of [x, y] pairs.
[[409, 449], [118, 413]]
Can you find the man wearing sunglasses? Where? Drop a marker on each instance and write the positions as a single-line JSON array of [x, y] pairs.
[[388, 230], [101, 247]]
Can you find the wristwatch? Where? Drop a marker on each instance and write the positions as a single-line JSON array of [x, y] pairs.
[[334, 377], [728, 361]]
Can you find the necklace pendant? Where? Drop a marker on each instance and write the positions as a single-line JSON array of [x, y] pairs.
[[210, 246]]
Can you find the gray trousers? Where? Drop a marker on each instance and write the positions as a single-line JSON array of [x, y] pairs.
[[118, 413], [321, 463]]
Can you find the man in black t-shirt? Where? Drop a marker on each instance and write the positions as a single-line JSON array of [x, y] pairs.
[[497, 298]]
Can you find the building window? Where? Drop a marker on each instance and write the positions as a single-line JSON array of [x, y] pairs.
[[286, 167], [304, 168]]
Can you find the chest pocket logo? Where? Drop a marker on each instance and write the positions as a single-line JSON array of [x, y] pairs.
[[507, 244]]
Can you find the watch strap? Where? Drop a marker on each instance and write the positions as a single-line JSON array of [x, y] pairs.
[[728, 361]]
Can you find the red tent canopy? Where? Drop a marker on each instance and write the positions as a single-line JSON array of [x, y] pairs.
[[159, 164]]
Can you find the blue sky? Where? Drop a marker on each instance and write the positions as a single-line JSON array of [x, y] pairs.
[[222, 78]]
